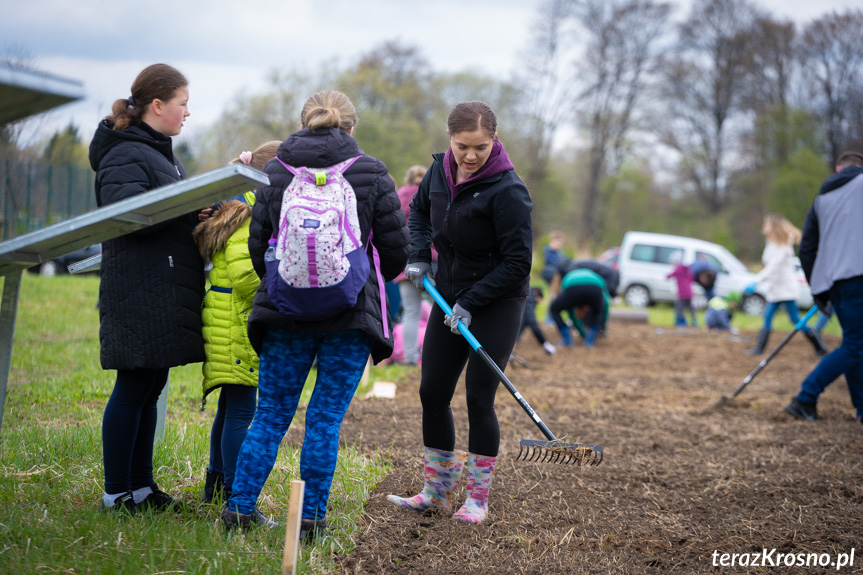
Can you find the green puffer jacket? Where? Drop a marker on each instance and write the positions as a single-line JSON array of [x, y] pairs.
[[223, 240]]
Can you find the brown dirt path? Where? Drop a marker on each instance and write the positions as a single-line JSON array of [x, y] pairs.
[[682, 477]]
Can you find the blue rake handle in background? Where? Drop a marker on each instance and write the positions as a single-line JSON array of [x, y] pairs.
[[797, 327], [552, 450]]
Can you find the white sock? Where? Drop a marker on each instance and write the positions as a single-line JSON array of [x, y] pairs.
[[141, 494], [108, 499]]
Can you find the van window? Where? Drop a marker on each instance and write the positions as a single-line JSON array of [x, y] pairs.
[[712, 260], [655, 254]]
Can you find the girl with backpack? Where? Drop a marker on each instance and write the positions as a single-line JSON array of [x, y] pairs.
[[231, 365], [341, 343], [475, 210]]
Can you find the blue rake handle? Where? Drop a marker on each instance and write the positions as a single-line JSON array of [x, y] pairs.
[[477, 347], [797, 327]]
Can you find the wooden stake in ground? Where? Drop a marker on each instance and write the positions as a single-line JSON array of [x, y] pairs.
[[292, 532]]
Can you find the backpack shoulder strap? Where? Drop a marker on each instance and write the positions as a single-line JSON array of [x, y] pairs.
[[291, 169], [318, 177], [342, 167], [382, 288]]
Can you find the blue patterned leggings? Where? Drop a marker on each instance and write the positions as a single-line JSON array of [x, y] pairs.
[[286, 358]]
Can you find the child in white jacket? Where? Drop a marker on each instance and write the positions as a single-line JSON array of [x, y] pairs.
[[778, 280]]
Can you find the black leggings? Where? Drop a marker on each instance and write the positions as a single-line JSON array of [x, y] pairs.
[[496, 327], [129, 429]]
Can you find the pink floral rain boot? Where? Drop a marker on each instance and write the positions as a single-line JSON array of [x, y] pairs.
[[480, 471], [442, 472]]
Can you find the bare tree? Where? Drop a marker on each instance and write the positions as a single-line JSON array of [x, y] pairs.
[[548, 86], [766, 91], [703, 87], [771, 64], [831, 54], [621, 48]]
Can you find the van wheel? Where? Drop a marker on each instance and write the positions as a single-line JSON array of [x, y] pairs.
[[637, 296], [753, 304]]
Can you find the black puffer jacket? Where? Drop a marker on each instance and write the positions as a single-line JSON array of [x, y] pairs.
[[153, 279], [483, 235], [378, 209]]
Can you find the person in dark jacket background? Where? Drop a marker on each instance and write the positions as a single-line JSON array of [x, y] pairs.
[[829, 255], [342, 344], [475, 210], [528, 320], [152, 282], [584, 297]]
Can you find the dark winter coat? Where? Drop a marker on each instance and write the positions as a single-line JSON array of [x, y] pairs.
[[482, 233], [378, 210], [152, 281]]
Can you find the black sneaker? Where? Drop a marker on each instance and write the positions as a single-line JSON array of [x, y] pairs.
[[802, 410], [245, 521], [312, 529], [158, 500], [123, 504]]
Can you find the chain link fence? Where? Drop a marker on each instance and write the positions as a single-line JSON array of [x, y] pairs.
[[35, 194]]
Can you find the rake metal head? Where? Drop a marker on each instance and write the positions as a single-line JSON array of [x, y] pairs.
[[559, 452]]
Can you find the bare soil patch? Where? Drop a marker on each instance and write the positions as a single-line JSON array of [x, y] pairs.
[[682, 477]]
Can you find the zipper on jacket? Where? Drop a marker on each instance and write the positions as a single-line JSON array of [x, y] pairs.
[[171, 261]]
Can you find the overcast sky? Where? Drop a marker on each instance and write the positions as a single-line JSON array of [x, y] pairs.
[[226, 47]]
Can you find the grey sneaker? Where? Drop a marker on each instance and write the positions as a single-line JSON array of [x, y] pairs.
[[245, 521], [802, 410]]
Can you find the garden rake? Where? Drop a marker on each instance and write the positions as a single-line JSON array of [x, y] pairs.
[[799, 326], [551, 451]]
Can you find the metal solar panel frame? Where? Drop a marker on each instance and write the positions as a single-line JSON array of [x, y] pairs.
[[105, 223]]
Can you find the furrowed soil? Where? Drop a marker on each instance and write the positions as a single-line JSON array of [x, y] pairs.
[[686, 478]]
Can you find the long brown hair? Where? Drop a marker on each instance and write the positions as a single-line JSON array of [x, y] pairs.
[[780, 231], [155, 82]]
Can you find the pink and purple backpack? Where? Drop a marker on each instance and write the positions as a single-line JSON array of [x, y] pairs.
[[316, 264]]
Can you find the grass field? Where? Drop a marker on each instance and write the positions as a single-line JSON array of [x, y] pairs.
[[51, 459]]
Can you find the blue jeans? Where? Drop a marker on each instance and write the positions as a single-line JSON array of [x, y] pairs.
[[679, 306], [394, 302], [847, 299], [790, 307], [822, 321], [286, 358], [230, 425]]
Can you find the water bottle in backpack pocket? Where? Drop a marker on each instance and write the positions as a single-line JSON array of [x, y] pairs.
[[316, 264]]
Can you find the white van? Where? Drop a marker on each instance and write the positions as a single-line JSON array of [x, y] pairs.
[[645, 261]]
